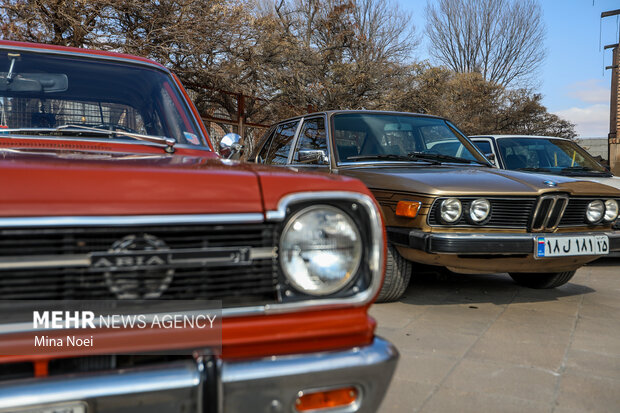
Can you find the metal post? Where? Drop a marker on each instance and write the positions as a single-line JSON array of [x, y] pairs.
[[240, 116], [613, 140], [614, 122]]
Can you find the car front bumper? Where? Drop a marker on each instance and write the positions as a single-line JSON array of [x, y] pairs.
[[264, 385], [479, 243]]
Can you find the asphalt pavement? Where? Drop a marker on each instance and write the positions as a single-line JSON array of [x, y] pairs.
[[480, 343]]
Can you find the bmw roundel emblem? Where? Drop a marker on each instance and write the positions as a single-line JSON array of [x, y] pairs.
[[550, 183]]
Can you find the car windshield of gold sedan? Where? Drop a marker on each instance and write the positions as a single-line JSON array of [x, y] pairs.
[[547, 155], [61, 95], [362, 137]]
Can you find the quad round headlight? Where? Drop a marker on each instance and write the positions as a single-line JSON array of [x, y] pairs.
[[611, 210], [595, 211], [320, 250], [450, 210], [479, 210]]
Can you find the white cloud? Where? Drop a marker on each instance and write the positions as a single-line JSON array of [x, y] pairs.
[[590, 91], [590, 121]]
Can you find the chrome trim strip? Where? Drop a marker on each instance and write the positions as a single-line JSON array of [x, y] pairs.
[[293, 142], [483, 236], [110, 390], [92, 56], [44, 261], [106, 141], [129, 220], [263, 253], [85, 260], [520, 236]]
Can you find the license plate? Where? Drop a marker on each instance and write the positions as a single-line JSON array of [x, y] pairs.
[[55, 408], [566, 246]]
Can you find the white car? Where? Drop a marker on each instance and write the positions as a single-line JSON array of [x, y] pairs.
[[544, 154], [547, 155]]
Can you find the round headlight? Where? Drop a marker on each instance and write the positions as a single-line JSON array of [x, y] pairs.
[[479, 210], [320, 250], [611, 210], [595, 211], [450, 210]]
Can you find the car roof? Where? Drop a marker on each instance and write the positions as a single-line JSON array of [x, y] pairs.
[[385, 112], [76, 51], [517, 136]]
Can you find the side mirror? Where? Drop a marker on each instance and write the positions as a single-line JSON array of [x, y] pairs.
[[313, 156], [490, 157], [230, 146]]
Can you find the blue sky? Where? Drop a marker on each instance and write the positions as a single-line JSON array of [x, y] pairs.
[[573, 81]]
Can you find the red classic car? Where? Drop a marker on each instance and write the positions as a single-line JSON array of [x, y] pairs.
[[111, 190]]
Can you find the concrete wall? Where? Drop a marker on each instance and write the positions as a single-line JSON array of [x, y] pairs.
[[595, 146]]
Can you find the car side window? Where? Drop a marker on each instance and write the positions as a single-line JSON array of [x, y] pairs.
[[484, 146], [281, 143], [311, 138], [262, 155]]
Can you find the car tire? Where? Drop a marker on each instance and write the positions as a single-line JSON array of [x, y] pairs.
[[542, 280], [397, 276]]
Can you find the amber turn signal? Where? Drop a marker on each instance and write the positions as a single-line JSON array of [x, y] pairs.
[[328, 399], [408, 208]]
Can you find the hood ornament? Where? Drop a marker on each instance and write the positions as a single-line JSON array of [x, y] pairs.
[[550, 183]]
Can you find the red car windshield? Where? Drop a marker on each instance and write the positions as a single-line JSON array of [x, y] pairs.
[[49, 91]]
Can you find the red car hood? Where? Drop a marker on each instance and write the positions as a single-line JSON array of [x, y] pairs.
[[75, 183], [52, 182]]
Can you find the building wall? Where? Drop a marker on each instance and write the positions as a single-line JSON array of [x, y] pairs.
[[594, 146]]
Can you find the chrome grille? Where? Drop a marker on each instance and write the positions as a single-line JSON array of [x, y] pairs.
[[253, 283], [549, 212]]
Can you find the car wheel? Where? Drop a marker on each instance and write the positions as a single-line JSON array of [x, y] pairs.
[[397, 275], [542, 280]]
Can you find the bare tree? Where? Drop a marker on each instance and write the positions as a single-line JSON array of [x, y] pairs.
[[63, 22], [501, 39], [334, 53]]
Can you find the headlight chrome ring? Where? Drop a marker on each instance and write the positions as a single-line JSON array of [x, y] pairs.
[[595, 211], [320, 250], [479, 210], [611, 210], [450, 210]]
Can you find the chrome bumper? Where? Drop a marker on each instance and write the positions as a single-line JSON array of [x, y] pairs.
[[479, 243], [264, 385], [172, 387], [272, 384]]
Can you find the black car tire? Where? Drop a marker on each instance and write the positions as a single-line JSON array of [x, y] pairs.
[[543, 279], [397, 276]]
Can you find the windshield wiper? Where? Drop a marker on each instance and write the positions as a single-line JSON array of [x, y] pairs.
[[582, 170], [533, 169], [159, 140], [167, 143], [390, 157], [577, 168], [442, 157]]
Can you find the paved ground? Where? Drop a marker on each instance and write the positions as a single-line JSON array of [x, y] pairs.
[[482, 344]]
